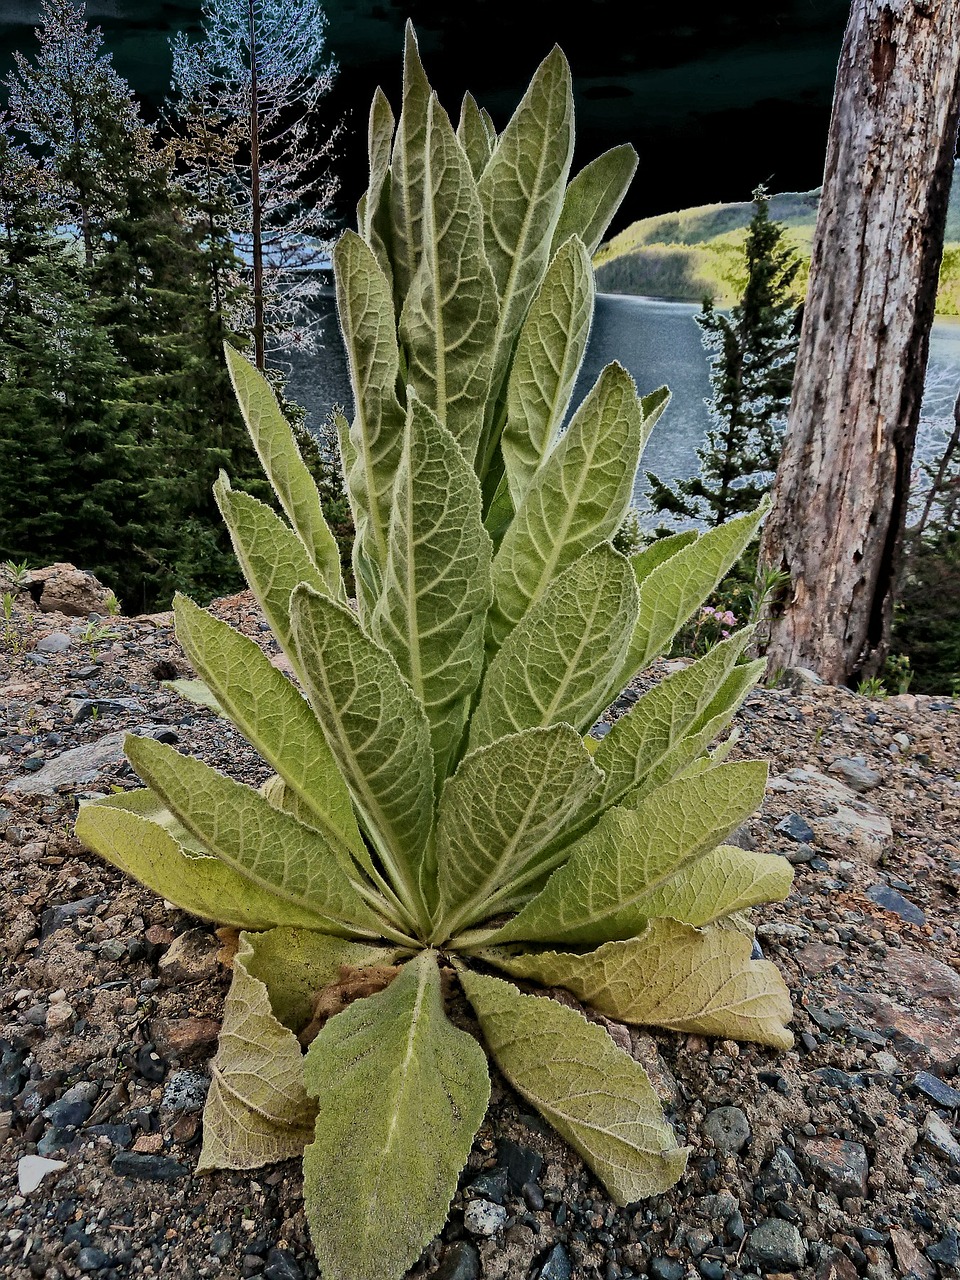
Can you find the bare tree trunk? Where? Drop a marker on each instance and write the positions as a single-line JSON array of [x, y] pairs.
[[840, 495], [259, 346]]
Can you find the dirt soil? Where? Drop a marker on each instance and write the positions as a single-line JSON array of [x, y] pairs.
[[838, 1159]]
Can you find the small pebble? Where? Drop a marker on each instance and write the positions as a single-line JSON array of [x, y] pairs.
[[484, 1218]]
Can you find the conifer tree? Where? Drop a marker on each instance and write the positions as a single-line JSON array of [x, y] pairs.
[[751, 376]]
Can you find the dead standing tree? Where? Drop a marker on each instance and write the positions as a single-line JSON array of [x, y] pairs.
[[841, 490]]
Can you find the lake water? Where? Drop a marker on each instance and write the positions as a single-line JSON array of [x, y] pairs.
[[658, 342]]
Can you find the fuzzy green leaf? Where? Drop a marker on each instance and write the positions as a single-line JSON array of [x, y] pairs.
[[521, 192], [197, 692], [266, 846], [672, 976], [272, 557], [651, 557], [604, 890], [594, 195], [271, 714], [135, 833], [595, 1096], [725, 880], [559, 664], [549, 353], [473, 136], [504, 805], [370, 338], [576, 500], [436, 588], [379, 138], [641, 741], [377, 730], [401, 1094], [677, 587], [277, 449], [450, 313], [407, 170]]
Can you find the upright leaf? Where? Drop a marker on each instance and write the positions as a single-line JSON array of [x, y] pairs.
[[662, 549], [595, 1096], [594, 195], [370, 338], [379, 138], [265, 845], [559, 664], [521, 192], [407, 170], [678, 586], [548, 357], [401, 1093], [473, 136], [672, 976], [277, 449], [436, 588], [135, 833], [607, 887], [377, 730], [272, 557], [576, 500], [504, 805], [450, 312]]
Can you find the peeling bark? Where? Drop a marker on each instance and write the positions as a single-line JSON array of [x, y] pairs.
[[840, 494]]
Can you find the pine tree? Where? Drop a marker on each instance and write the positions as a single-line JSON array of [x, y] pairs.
[[751, 376]]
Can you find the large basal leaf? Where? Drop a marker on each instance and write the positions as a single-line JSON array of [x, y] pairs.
[[595, 1096], [559, 664], [377, 730], [401, 1093], [272, 557], [365, 308], [277, 449], [673, 976], [594, 195], [436, 588], [521, 192], [271, 714], [407, 170], [504, 805], [548, 357], [576, 500], [267, 846], [258, 1110], [134, 832], [642, 739], [450, 313], [725, 880], [673, 591], [601, 893], [473, 136]]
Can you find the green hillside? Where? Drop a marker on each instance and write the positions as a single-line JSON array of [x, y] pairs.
[[697, 253]]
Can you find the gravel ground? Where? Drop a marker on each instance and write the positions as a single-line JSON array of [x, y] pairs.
[[836, 1160]]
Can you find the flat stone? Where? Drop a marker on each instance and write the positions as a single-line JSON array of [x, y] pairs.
[[80, 766], [796, 828], [31, 1170], [557, 1265], [938, 1136], [837, 1267], [780, 1175], [460, 1262], [910, 1260], [893, 900], [84, 708], [728, 1128], [840, 1166], [191, 957], [522, 1164], [924, 1016], [856, 774], [776, 1245], [180, 1037], [946, 1250], [666, 1269], [147, 1168], [62, 914], [490, 1186], [483, 1217], [841, 820], [55, 642], [943, 1094]]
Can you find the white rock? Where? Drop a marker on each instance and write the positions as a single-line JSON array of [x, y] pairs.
[[31, 1171]]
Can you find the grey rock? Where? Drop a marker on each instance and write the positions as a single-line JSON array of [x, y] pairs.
[[946, 1250], [62, 914], [147, 1168], [67, 1115], [80, 766], [460, 1262], [557, 1265], [185, 1091], [483, 1217], [796, 828], [776, 1246], [221, 1244], [699, 1240], [943, 1094], [93, 1259], [82, 1091], [780, 1174], [721, 1206], [118, 1135], [666, 1269], [800, 678], [893, 900], [490, 1186], [938, 1136], [13, 1072], [55, 642], [857, 774], [839, 1166], [728, 1128], [282, 1265], [83, 708], [522, 1164]]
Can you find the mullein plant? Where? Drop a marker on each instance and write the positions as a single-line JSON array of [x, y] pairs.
[[437, 814]]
